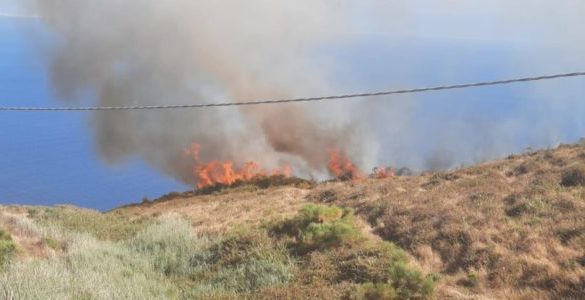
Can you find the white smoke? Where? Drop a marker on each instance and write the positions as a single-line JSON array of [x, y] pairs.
[[179, 51]]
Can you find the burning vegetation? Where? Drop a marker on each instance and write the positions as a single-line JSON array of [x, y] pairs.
[[226, 173], [213, 174], [342, 167]]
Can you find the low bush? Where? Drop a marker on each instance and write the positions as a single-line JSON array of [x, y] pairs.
[[410, 283], [321, 253], [369, 263], [532, 206], [169, 245], [260, 182], [574, 176], [373, 266], [525, 168], [318, 227], [165, 260], [245, 261], [333, 250]]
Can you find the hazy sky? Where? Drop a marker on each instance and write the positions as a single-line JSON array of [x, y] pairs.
[[10, 7], [47, 159]]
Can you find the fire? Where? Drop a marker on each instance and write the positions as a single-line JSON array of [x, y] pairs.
[[381, 173], [342, 168], [226, 173]]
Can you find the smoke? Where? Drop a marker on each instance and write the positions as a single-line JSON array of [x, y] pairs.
[[147, 52], [434, 42]]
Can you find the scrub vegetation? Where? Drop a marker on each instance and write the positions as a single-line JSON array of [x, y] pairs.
[[509, 229], [321, 250]]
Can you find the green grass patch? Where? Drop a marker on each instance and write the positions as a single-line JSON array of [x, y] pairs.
[[318, 227], [7, 248], [111, 226], [333, 250], [260, 182], [322, 251]]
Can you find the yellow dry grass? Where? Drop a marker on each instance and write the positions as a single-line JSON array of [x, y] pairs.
[[498, 230], [221, 212], [503, 229]]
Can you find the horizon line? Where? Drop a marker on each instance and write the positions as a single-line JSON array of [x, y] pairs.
[[19, 16]]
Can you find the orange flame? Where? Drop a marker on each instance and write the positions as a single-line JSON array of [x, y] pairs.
[[342, 168], [216, 172], [227, 173]]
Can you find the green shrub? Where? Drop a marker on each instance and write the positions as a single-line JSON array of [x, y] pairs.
[[259, 182], [345, 256], [410, 283], [327, 235], [167, 259], [313, 213], [250, 275], [169, 245], [244, 261], [404, 283], [369, 263], [574, 176], [319, 227]]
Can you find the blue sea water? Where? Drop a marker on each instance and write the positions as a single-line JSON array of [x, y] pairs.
[[49, 158]]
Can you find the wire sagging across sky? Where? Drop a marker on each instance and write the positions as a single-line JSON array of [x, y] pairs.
[[294, 100]]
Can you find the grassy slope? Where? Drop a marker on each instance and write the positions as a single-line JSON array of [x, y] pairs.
[[507, 229], [513, 228]]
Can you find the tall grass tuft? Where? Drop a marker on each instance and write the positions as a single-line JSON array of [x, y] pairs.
[[90, 269], [7, 248], [169, 245]]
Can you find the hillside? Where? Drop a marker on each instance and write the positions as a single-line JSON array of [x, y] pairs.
[[509, 229]]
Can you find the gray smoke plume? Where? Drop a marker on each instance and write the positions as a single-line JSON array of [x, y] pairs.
[[145, 52]]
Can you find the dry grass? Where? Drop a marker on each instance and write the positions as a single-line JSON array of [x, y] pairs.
[[221, 212], [504, 229], [510, 229], [170, 259]]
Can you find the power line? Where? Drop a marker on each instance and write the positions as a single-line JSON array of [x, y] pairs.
[[294, 100]]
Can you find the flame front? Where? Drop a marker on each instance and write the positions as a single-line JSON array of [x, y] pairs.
[[228, 173], [342, 168], [225, 173]]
